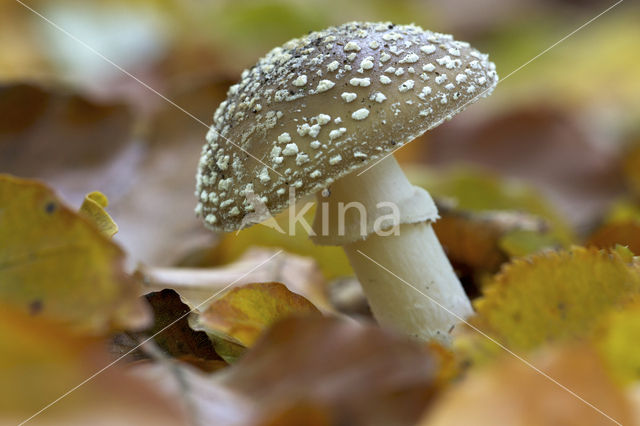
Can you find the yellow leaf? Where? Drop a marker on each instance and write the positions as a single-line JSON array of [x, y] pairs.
[[332, 260], [53, 262], [521, 242], [93, 207], [509, 392], [618, 343], [471, 190], [197, 285], [41, 361], [623, 210], [226, 348], [556, 295], [243, 313]]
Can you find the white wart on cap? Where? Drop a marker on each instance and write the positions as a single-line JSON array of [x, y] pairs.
[[324, 105]]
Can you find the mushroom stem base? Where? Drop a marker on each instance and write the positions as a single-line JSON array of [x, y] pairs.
[[409, 282]]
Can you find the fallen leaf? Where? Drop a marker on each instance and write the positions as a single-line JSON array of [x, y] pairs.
[[72, 142], [631, 167], [55, 263], [243, 313], [93, 208], [23, 56], [475, 240], [197, 286], [623, 210], [547, 148], [306, 413], [617, 340], [332, 260], [471, 190], [228, 350], [312, 371], [172, 333], [510, 392], [486, 220], [41, 361], [634, 396], [355, 374], [522, 242], [555, 296], [617, 233], [208, 402]]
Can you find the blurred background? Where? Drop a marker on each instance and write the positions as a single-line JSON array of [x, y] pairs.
[[556, 139], [116, 96]]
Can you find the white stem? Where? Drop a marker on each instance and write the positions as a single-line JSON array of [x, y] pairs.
[[413, 259], [420, 294], [358, 205]]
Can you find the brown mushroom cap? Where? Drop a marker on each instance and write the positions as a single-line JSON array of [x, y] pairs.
[[324, 105]]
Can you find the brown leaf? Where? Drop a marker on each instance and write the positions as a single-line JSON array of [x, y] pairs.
[[65, 138], [625, 233], [173, 334], [351, 373], [23, 55], [40, 362], [197, 59], [631, 167], [200, 96], [512, 393], [313, 371], [79, 145], [473, 240], [543, 147]]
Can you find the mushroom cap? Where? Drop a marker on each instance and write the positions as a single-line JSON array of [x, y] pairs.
[[324, 105]]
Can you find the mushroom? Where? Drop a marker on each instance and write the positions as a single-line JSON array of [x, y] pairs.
[[322, 115]]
